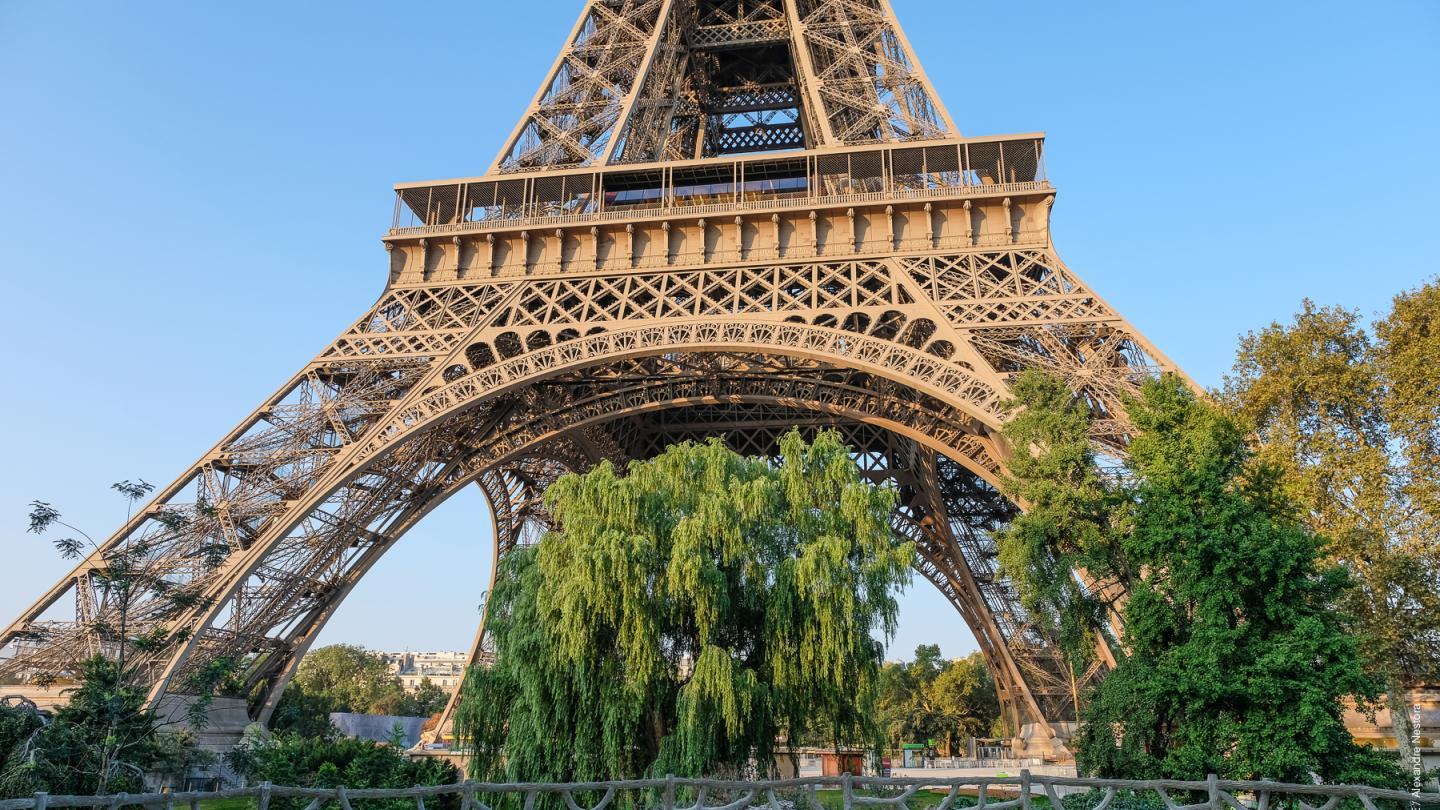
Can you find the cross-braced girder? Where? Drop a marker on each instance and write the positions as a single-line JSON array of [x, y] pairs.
[[549, 316], [653, 80], [288, 512]]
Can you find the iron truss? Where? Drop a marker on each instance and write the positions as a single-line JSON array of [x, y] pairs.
[[509, 383], [652, 80], [895, 309]]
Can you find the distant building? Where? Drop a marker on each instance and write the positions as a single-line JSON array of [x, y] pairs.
[[444, 669], [1379, 731]]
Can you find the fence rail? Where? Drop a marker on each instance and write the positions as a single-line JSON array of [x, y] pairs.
[[855, 792]]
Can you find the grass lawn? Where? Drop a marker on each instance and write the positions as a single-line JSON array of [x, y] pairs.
[[829, 799], [227, 804]]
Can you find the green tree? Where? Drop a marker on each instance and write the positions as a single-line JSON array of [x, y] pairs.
[[964, 698], [895, 698], [928, 662], [931, 698], [688, 614], [19, 725], [1069, 522], [425, 700], [103, 739], [904, 714], [123, 573], [107, 727], [303, 714], [290, 759], [1352, 418], [1232, 659], [396, 737], [348, 678], [351, 677]]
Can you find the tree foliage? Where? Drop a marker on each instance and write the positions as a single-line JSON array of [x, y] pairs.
[[932, 698], [123, 574], [17, 723], [106, 736], [688, 614], [348, 678], [353, 678], [103, 739], [1352, 418], [1070, 519], [291, 759], [1232, 660], [425, 700], [303, 713]]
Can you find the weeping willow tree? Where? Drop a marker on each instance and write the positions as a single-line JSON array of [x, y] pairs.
[[688, 617]]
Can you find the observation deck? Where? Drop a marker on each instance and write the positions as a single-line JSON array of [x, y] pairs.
[[996, 166]]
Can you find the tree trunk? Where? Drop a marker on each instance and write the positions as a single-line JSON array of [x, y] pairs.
[[1398, 704], [656, 735]]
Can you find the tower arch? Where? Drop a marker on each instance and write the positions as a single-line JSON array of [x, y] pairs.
[[957, 559], [665, 247]]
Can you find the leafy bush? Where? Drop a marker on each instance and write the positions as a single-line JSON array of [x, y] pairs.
[[103, 741], [1124, 800], [17, 724], [290, 759]]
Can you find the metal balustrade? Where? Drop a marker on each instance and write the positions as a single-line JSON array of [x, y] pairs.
[[520, 218], [742, 32], [871, 173], [675, 793]]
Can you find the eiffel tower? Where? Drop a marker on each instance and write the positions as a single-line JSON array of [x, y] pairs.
[[717, 217]]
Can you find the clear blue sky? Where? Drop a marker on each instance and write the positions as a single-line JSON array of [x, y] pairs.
[[192, 194]]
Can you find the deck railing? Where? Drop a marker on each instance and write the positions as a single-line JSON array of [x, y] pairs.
[[674, 793], [534, 216]]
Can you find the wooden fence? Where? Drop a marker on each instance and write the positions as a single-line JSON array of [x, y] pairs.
[[854, 792]]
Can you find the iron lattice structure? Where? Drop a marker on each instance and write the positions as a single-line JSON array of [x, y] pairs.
[[718, 217]]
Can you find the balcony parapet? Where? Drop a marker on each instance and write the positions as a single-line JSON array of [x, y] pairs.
[[772, 203], [860, 175]]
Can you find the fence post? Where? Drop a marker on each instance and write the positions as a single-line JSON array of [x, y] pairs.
[[264, 796], [846, 796], [1214, 791], [41, 800], [669, 791], [1025, 788]]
